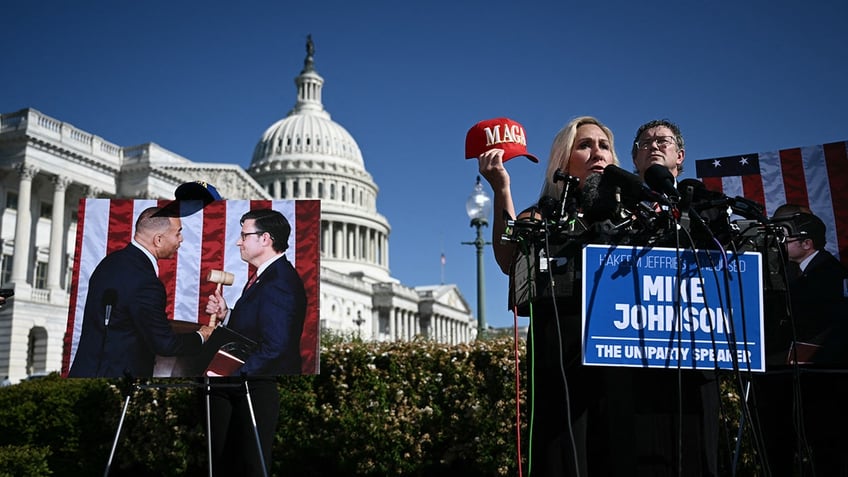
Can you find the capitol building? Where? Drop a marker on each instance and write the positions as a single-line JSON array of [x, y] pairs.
[[47, 166]]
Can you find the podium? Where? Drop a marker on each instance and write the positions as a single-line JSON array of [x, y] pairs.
[[222, 354]]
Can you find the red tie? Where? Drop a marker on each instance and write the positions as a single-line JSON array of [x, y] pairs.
[[250, 282]]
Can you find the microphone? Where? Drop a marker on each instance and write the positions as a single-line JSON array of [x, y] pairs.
[[631, 186], [549, 208], [110, 299], [597, 204], [703, 198], [749, 209], [568, 201], [660, 179]]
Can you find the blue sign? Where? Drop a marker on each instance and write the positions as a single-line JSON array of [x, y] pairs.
[[664, 308]]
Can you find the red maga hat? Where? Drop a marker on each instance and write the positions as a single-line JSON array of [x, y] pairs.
[[501, 133]]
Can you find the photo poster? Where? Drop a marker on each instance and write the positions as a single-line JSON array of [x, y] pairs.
[[630, 296], [209, 234]]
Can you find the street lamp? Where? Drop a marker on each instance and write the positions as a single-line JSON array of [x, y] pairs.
[[359, 320], [478, 207]]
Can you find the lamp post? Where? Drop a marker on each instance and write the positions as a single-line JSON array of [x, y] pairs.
[[478, 207], [359, 320]]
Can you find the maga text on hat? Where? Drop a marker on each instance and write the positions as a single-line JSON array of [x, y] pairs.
[[501, 133]]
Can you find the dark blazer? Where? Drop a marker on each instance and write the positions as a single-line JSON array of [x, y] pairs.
[[820, 308], [138, 327], [271, 313]]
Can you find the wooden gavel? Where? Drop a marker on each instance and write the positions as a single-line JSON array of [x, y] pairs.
[[221, 278]]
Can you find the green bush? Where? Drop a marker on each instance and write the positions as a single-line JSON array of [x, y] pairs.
[[24, 461], [376, 409]]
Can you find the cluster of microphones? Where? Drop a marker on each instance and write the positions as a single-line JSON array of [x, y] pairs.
[[618, 207]]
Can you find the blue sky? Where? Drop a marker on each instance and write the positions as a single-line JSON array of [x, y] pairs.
[[206, 78]]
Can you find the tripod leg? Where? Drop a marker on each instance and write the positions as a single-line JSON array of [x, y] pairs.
[[117, 434], [208, 424], [255, 429]]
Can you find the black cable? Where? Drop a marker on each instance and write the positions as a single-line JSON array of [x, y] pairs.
[[679, 332], [731, 343], [757, 437], [569, 426], [801, 443]]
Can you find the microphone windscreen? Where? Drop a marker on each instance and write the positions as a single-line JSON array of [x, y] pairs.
[[631, 186], [597, 198], [661, 180], [589, 193]]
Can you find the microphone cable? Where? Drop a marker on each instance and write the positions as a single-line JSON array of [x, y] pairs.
[[729, 333], [678, 324], [743, 387], [569, 425], [756, 432], [522, 248], [713, 321], [517, 387]]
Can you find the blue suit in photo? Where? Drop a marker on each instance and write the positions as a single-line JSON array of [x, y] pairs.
[[271, 312]]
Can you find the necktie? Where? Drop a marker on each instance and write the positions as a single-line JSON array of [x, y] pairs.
[[250, 282]]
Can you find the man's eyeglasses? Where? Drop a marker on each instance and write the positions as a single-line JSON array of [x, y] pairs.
[[793, 238], [662, 142], [244, 235]]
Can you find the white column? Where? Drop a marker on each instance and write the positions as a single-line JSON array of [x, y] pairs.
[[392, 324], [385, 261], [57, 233], [351, 242], [326, 245], [372, 246], [23, 223], [338, 242]]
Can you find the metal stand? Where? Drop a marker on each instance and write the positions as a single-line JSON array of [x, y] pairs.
[[130, 386], [255, 429], [129, 389], [208, 387]]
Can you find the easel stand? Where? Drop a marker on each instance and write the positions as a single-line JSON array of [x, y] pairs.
[[130, 386]]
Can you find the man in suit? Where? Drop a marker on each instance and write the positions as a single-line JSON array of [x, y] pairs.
[[271, 312], [818, 291], [124, 323]]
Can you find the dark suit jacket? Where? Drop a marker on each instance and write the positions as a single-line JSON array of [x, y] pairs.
[[820, 309], [138, 327], [271, 313]]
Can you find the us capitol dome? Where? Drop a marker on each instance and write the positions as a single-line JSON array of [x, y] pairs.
[[307, 155]]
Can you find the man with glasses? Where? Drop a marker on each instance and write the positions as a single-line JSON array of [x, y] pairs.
[[817, 293], [658, 142], [271, 312]]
